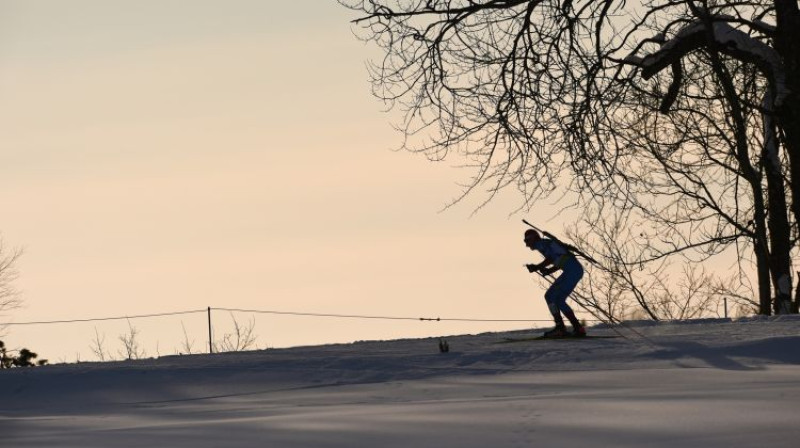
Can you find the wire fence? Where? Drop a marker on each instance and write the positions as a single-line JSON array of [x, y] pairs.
[[274, 312], [101, 319], [210, 312]]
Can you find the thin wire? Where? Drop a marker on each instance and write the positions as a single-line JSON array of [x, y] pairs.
[[283, 313], [355, 316], [98, 319], [294, 313]]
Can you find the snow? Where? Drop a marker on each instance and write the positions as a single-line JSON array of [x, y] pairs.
[[710, 383], [731, 41]]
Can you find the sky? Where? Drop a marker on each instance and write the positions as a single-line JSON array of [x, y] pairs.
[[162, 156]]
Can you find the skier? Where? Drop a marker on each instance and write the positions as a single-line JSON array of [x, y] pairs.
[[557, 257]]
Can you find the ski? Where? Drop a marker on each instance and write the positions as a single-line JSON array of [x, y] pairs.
[[542, 338]]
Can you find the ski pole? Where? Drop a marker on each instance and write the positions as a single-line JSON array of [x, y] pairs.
[[610, 320]]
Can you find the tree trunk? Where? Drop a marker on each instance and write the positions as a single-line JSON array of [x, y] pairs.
[[787, 44], [796, 296], [762, 266], [751, 175], [778, 222]]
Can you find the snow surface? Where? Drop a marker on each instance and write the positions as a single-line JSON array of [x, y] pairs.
[[711, 383]]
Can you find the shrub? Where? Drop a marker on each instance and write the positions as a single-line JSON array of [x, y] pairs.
[[24, 358]]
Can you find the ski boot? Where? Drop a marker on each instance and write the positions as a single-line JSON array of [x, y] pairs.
[[556, 333], [578, 332]]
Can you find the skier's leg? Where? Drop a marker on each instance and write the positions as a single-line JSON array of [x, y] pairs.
[[556, 312], [567, 281], [566, 310], [560, 330], [551, 296]]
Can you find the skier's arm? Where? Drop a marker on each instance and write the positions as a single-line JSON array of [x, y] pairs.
[[549, 270], [542, 266]]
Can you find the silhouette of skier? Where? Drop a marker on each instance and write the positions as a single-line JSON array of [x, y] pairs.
[[557, 257]]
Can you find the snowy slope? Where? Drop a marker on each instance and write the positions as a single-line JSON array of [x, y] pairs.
[[708, 383]]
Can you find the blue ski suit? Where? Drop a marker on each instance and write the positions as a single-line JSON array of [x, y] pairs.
[[562, 287]]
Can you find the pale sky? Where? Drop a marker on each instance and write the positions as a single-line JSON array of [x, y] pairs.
[[167, 155]]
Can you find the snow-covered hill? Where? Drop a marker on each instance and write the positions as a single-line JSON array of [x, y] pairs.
[[705, 383]]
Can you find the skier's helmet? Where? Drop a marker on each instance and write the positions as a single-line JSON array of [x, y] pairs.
[[531, 236]]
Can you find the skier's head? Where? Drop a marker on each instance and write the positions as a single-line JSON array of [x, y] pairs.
[[531, 237]]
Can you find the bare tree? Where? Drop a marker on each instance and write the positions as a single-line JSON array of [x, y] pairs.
[[9, 296], [98, 346], [619, 289], [694, 179], [749, 81], [187, 346], [242, 338], [548, 94], [131, 348]]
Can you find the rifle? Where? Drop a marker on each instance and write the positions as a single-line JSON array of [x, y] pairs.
[[569, 247]]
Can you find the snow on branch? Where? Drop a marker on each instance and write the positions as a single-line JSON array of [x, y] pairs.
[[729, 41], [764, 27]]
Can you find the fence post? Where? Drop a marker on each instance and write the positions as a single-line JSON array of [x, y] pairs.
[[210, 341], [725, 301]]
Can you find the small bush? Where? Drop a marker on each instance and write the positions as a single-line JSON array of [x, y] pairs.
[[24, 358]]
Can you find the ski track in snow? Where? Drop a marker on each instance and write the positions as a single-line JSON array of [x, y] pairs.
[[709, 383]]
